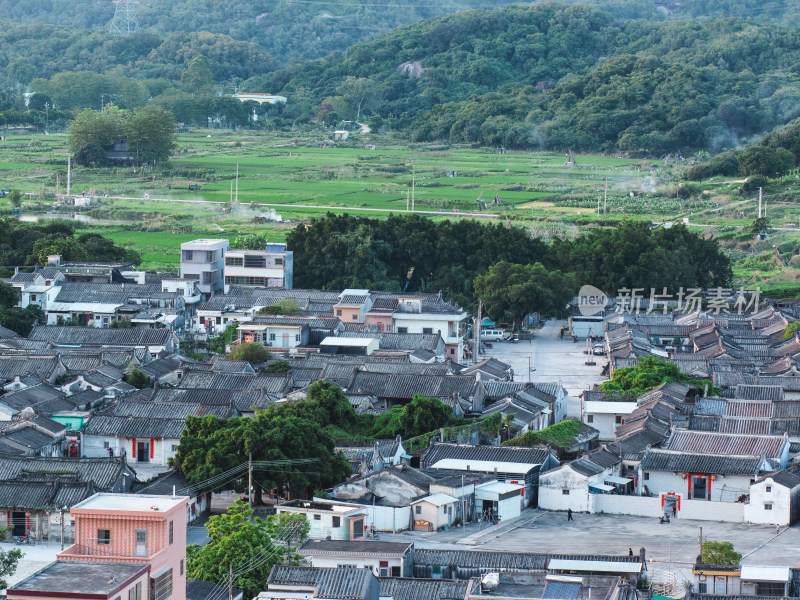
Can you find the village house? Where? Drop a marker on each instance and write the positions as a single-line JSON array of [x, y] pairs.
[[115, 530], [521, 466], [269, 268], [433, 512], [774, 499], [384, 559], [33, 490], [154, 341], [203, 260], [329, 520], [146, 432]]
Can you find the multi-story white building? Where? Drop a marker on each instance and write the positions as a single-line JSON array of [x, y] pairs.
[[414, 315], [204, 261], [270, 268]]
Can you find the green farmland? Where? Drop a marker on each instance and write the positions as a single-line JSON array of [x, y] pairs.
[[299, 176]]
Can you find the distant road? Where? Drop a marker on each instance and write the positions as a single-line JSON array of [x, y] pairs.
[[342, 208]]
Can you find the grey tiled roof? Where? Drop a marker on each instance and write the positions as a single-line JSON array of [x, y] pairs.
[[714, 464], [44, 495], [160, 367], [134, 427], [401, 588], [759, 392], [402, 341], [166, 410], [97, 336], [111, 293], [783, 477], [329, 583], [383, 385], [585, 467], [19, 365], [270, 383], [505, 561], [101, 471], [440, 451], [242, 400], [701, 442]]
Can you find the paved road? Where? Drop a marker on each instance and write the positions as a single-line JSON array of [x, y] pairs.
[[554, 359], [440, 213]]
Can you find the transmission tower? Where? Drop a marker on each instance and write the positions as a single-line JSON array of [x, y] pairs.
[[124, 22]]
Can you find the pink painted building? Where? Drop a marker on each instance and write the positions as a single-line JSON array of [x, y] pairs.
[[143, 534]]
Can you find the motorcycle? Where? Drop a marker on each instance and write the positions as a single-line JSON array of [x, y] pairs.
[[664, 519], [21, 540]]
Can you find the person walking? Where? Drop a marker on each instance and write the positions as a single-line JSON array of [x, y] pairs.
[[674, 510], [569, 514]]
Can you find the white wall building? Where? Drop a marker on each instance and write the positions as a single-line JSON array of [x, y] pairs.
[[204, 261], [384, 559], [329, 520], [270, 268], [415, 316], [606, 416], [774, 500], [433, 512]]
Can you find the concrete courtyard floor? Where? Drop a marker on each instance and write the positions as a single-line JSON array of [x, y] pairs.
[[672, 547], [553, 359]]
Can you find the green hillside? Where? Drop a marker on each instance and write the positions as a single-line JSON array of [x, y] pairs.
[[546, 76]]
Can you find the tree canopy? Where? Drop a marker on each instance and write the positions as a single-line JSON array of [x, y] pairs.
[[720, 553], [149, 132], [417, 254], [306, 429], [514, 290], [650, 372], [252, 352], [237, 537]]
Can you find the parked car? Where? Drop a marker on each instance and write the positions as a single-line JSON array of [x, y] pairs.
[[494, 335], [598, 349]]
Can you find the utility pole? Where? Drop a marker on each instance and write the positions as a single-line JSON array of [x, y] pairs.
[[701, 542], [250, 480], [236, 197], [407, 197], [413, 176], [476, 351], [605, 197], [759, 203], [62, 528], [230, 582], [69, 172]]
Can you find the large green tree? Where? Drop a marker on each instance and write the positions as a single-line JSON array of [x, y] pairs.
[[246, 545], [424, 414], [765, 161], [306, 429], [514, 290], [150, 132], [9, 559], [102, 128], [720, 553]]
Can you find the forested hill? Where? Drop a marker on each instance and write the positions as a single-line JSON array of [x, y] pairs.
[[315, 28], [554, 77]]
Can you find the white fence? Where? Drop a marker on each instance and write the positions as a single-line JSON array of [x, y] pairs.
[[644, 506]]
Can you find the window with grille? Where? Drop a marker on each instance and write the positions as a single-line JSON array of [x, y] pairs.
[[255, 261], [104, 536], [162, 586], [234, 261], [337, 521], [171, 531]]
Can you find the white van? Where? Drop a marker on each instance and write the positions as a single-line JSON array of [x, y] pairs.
[[492, 335]]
